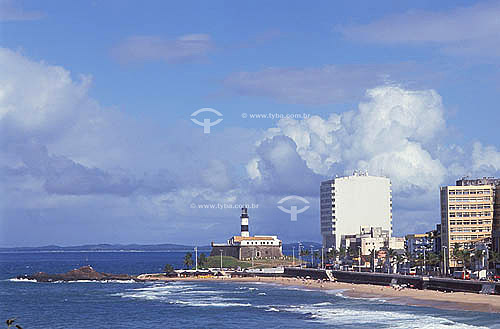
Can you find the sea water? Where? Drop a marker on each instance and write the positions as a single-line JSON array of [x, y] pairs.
[[200, 304]]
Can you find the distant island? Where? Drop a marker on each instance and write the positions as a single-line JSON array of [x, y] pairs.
[[106, 247], [135, 247]]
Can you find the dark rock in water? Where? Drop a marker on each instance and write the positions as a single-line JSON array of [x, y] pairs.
[[82, 273]]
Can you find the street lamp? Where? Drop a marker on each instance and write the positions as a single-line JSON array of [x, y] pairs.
[[425, 268], [322, 253], [445, 256], [221, 251], [293, 255], [312, 257], [487, 259], [300, 257], [196, 257], [359, 258]]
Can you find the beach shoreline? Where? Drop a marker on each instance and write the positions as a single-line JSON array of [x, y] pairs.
[[411, 297]]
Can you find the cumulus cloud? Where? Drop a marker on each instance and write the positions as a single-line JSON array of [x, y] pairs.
[[387, 135], [485, 158], [65, 158], [463, 30], [280, 169], [11, 11], [154, 48]]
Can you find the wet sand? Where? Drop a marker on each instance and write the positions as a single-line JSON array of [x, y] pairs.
[[414, 297]]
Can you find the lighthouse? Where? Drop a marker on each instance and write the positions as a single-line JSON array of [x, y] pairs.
[[244, 222], [246, 247]]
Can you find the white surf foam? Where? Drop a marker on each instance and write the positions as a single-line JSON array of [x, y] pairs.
[[21, 280], [325, 313], [197, 303], [272, 309]]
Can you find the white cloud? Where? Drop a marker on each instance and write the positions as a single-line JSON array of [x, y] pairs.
[[67, 161], [50, 101], [485, 158], [387, 136], [154, 48], [463, 30]]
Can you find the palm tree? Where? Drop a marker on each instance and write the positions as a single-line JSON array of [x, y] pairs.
[[332, 255], [494, 257], [477, 258], [317, 256], [409, 258], [353, 252], [462, 255], [399, 260], [456, 253], [168, 269], [389, 257], [433, 260], [188, 260], [202, 259], [342, 252]]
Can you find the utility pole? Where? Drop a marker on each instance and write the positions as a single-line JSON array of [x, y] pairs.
[[221, 260], [373, 260], [312, 257], [359, 258], [445, 252], [293, 255], [196, 257], [487, 259], [424, 270], [322, 260], [300, 257]]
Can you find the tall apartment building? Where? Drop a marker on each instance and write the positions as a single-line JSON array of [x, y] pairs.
[[468, 214], [348, 203]]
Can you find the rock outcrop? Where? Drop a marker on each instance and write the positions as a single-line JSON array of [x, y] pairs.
[[80, 274]]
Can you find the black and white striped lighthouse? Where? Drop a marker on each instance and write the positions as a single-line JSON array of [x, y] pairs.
[[244, 222]]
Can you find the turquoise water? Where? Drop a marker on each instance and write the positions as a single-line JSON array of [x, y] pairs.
[[193, 304]]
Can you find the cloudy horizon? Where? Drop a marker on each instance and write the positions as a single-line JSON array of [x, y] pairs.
[[98, 146]]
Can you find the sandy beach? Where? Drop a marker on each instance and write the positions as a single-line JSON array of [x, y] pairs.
[[414, 297]]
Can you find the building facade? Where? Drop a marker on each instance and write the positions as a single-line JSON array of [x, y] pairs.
[[348, 203], [420, 243], [371, 239], [467, 215], [246, 247]]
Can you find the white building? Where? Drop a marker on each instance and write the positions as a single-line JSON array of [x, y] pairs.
[[348, 203], [371, 239]]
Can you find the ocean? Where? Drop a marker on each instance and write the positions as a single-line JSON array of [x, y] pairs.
[[192, 304]]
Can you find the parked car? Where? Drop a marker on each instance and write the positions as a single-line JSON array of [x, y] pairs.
[[464, 275]]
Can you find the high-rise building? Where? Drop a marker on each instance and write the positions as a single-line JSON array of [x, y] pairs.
[[468, 215], [348, 203]]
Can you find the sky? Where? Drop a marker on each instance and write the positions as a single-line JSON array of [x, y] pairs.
[[98, 145]]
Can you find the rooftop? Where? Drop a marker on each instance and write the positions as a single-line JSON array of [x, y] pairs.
[[238, 238]]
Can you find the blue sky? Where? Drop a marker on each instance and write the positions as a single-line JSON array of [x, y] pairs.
[[95, 103]]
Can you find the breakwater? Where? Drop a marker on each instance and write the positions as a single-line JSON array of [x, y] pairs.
[[383, 279]]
